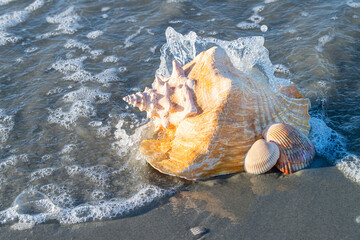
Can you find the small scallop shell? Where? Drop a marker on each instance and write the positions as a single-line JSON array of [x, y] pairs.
[[261, 157], [296, 149]]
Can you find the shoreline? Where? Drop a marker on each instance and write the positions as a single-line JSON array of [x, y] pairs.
[[314, 203]]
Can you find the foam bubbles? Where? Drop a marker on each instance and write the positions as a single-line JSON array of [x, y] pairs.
[[110, 59], [111, 208], [105, 9], [122, 69], [98, 194], [67, 22], [327, 142], [128, 42], [247, 54], [80, 76], [322, 41], [32, 202], [281, 69], [82, 106], [108, 75], [246, 25], [270, 1], [353, 4], [4, 2], [71, 43], [69, 65], [42, 173], [103, 131], [96, 53], [31, 49], [87, 94], [94, 34], [350, 166], [263, 28], [68, 148], [6, 125], [254, 19], [14, 18], [125, 142]]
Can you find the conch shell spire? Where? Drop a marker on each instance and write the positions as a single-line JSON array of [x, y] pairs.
[[169, 100]]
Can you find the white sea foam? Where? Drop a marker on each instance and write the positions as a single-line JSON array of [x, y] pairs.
[[94, 34], [256, 18], [247, 25], [327, 142], [128, 42], [71, 43], [70, 65], [6, 125], [105, 9], [350, 166], [331, 145], [248, 54], [353, 4], [175, 21], [9, 162], [68, 148], [42, 173], [122, 69], [54, 91], [4, 2], [82, 101], [95, 123], [98, 194], [111, 59], [108, 75], [270, 1], [87, 94], [281, 69], [323, 40], [103, 131], [263, 28], [67, 22], [80, 76], [83, 213], [96, 53], [13, 160], [124, 141], [31, 49], [14, 18]]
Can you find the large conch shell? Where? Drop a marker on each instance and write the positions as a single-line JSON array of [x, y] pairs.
[[209, 114]]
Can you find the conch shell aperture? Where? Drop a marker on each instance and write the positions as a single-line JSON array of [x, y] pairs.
[[208, 114]]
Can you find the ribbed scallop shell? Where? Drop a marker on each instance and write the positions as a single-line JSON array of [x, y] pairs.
[[296, 149], [261, 157]]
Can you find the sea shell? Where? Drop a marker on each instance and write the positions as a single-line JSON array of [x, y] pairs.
[[261, 157], [169, 101], [296, 150], [212, 124]]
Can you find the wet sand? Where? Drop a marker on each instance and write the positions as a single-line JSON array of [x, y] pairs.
[[315, 203]]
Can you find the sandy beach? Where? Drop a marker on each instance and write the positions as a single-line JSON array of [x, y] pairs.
[[315, 203]]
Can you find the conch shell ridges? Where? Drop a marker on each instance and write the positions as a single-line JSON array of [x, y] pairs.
[[169, 100]]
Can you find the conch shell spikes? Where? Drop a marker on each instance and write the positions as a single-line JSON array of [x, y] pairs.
[[169, 100]]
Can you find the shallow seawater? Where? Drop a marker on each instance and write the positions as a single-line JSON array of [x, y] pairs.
[[69, 143]]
